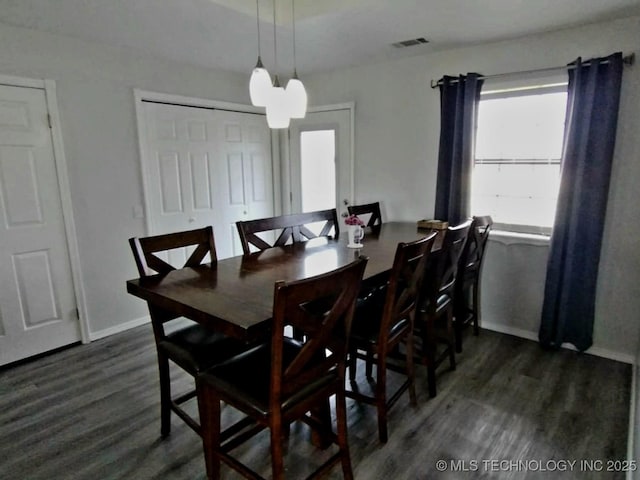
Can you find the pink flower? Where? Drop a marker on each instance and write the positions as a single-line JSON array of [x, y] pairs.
[[353, 220]]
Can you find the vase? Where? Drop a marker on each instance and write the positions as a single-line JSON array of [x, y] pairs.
[[356, 233]]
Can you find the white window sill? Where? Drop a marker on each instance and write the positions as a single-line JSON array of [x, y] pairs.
[[514, 238]]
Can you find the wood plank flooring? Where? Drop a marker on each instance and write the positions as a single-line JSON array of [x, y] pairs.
[[92, 412]]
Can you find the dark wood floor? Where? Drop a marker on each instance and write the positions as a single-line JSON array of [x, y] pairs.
[[91, 412]]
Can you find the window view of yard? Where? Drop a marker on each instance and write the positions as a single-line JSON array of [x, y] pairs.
[[517, 164]]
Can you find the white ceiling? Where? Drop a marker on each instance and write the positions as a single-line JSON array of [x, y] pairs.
[[330, 34]]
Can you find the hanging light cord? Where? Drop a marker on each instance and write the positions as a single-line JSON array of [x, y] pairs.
[[275, 43], [293, 21], [258, 24], [276, 80]]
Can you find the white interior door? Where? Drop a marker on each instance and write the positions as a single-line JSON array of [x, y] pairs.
[[246, 173], [319, 181], [37, 302], [206, 167]]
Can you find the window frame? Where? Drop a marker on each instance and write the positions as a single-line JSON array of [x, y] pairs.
[[516, 89]]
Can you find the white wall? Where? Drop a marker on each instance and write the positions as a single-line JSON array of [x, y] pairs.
[[95, 95], [397, 134]]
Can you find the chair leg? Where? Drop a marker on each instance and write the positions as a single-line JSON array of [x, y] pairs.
[[352, 365], [461, 314], [277, 450], [458, 327], [381, 398], [369, 366], [411, 371], [429, 352], [209, 409], [451, 339], [322, 414], [343, 444], [165, 395], [476, 307]]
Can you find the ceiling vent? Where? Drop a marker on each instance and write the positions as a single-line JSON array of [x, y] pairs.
[[411, 43]]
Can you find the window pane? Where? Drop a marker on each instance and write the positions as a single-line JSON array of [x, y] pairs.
[[528, 127], [517, 194], [318, 171], [518, 147]]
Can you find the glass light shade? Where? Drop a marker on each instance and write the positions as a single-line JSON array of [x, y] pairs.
[[260, 86], [297, 98], [278, 109]]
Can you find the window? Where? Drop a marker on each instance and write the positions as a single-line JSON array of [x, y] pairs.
[[516, 173], [318, 172], [318, 169]]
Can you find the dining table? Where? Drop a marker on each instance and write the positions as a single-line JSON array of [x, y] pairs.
[[235, 295]]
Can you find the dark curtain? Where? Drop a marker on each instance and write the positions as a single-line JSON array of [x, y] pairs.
[[572, 270], [459, 97]]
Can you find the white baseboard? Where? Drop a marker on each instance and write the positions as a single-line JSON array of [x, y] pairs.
[[516, 332], [136, 322], [605, 353], [529, 335]]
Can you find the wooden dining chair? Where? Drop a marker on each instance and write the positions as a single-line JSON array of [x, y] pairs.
[[373, 209], [434, 319], [280, 381], [292, 228], [383, 322], [467, 296], [190, 346]]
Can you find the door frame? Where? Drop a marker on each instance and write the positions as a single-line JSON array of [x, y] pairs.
[[60, 163], [141, 96], [286, 147]]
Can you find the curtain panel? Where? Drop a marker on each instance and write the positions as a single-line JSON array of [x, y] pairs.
[[572, 270], [459, 98]]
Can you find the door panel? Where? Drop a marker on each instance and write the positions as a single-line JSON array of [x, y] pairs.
[[170, 188], [37, 301], [200, 181], [249, 170], [214, 168]]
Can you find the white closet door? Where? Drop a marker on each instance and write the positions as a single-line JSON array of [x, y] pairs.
[[37, 301], [246, 178], [206, 167]]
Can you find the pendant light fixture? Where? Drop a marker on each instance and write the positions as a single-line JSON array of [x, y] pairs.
[[277, 103], [260, 84], [278, 107], [296, 93]]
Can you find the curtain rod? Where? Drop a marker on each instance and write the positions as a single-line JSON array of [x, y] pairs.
[[628, 60]]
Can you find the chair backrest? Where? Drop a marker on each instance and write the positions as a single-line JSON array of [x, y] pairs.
[[442, 273], [473, 253], [404, 287], [145, 250], [322, 309], [294, 229], [375, 220]]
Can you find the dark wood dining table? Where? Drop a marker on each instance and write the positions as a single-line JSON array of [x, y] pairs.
[[235, 295]]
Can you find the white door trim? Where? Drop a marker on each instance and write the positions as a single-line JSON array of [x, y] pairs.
[[49, 87], [145, 95]]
